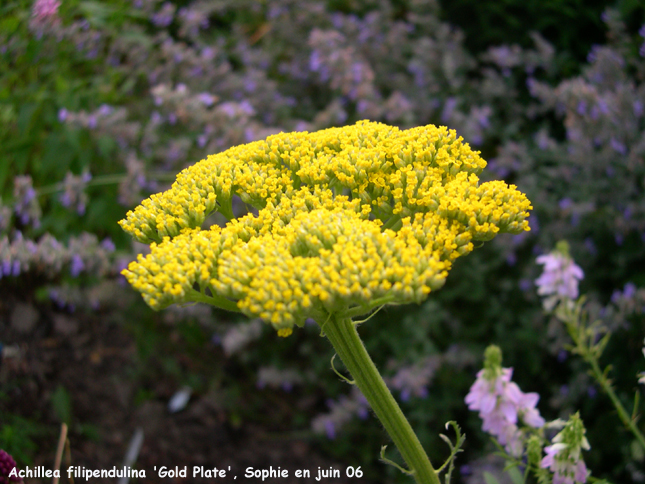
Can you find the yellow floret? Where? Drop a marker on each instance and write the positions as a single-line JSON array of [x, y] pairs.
[[345, 216]]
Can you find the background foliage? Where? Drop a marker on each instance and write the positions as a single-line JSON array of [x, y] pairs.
[[551, 93]]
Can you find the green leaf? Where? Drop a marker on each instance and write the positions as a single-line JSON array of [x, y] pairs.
[[97, 12], [515, 475], [490, 478], [62, 404]]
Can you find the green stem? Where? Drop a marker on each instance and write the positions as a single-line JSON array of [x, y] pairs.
[[374, 303], [344, 338], [591, 354], [622, 413], [102, 180], [217, 301]]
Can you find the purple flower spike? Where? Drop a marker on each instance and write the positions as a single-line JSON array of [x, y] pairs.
[[330, 430], [559, 279], [501, 404], [77, 265]]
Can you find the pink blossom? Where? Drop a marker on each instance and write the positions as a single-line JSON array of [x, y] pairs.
[[566, 470], [559, 279], [564, 455], [44, 10], [500, 402]]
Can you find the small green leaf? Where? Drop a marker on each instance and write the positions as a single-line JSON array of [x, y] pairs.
[[515, 475], [490, 478], [62, 404]]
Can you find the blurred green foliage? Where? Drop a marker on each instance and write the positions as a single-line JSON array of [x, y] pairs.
[[482, 301]]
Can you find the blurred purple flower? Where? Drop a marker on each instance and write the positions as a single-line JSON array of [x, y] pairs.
[[448, 108], [105, 110], [560, 276], [76, 266], [42, 10], [618, 146], [108, 245], [165, 16], [565, 203], [582, 108], [590, 246], [206, 99], [330, 430], [629, 290]]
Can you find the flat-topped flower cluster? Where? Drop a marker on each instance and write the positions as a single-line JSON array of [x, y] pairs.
[[349, 218]]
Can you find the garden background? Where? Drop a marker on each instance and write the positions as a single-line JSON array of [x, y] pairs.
[[103, 102]]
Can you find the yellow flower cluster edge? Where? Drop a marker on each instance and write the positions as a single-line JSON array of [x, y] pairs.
[[348, 218]]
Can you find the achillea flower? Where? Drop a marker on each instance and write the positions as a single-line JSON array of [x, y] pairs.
[[563, 458], [347, 216], [501, 402], [560, 277]]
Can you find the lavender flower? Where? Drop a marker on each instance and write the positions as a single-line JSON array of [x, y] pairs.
[[563, 456], [341, 411], [76, 266], [277, 378], [501, 402], [26, 203], [74, 194], [560, 277], [414, 380]]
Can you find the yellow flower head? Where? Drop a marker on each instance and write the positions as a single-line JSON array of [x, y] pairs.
[[349, 218]]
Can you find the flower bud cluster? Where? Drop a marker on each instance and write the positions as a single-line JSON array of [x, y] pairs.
[[501, 404], [310, 252], [564, 455]]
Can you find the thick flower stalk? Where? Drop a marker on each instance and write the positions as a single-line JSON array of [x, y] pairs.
[[501, 403], [564, 455], [349, 219]]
